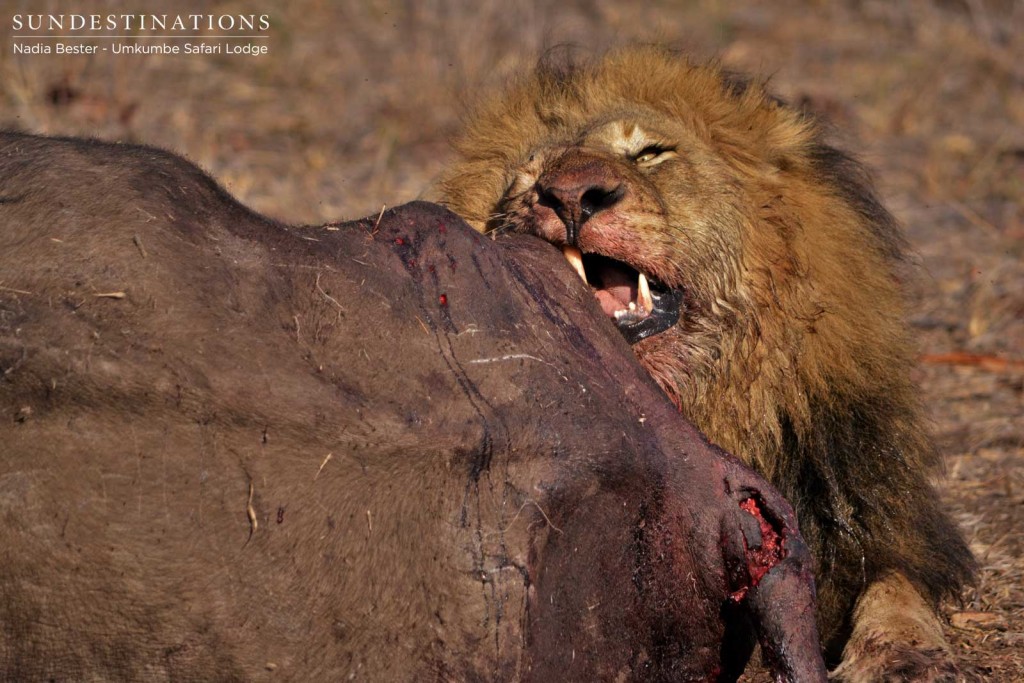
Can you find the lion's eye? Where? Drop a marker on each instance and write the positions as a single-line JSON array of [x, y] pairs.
[[650, 153]]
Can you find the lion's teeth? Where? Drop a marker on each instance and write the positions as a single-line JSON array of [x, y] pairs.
[[575, 259], [644, 294]]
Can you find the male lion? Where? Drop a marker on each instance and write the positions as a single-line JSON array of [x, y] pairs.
[[756, 275]]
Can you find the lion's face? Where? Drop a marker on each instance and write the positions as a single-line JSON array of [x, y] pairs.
[[647, 214], [640, 199]]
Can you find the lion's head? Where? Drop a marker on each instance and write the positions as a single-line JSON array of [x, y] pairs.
[[753, 270], [747, 261]]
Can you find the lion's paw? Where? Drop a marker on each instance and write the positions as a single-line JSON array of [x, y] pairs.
[[874, 660], [897, 637]]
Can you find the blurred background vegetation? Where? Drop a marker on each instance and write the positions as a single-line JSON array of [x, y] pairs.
[[353, 107]]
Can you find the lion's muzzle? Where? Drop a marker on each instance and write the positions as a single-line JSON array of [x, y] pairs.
[[578, 189]]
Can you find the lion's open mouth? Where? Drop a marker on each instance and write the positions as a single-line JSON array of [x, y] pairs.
[[640, 305]]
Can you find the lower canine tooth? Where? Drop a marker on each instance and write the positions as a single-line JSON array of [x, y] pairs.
[[575, 259], [644, 291]]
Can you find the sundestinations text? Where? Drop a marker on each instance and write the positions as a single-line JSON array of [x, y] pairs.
[[140, 22]]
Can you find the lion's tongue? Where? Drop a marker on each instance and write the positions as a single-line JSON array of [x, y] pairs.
[[617, 292], [615, 286]]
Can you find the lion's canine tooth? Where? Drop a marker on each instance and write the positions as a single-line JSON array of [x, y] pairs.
[[644, 294], [575, 258]]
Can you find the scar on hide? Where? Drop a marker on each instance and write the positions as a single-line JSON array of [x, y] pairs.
[[511, 356], [250, 512], [326, 295], [539, 509], [321, 468]]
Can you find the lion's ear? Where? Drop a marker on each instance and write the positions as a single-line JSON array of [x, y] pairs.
[[786, 136]]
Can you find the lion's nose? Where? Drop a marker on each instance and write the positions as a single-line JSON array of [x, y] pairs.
[[574, 203]]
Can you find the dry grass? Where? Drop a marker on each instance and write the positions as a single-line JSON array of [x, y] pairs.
[[353, 107]]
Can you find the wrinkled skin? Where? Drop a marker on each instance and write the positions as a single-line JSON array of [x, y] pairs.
[[390, 449]]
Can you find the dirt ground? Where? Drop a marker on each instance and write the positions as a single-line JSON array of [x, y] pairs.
[[352, 107]]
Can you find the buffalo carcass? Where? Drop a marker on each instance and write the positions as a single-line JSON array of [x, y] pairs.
[[384, 450]]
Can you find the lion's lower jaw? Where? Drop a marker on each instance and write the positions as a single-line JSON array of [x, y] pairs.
[[896, 637]]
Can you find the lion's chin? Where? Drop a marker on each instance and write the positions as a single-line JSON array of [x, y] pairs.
[[639, 305]]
